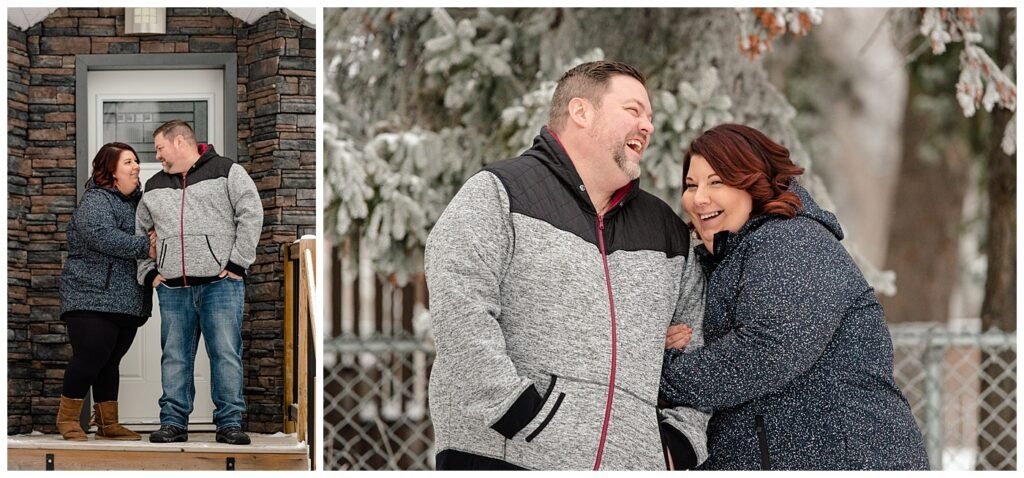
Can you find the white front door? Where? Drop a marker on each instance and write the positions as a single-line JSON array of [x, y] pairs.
[[127, 106]]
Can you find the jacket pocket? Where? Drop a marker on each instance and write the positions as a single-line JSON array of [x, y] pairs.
[[762, 442], [163, 253], [84, 274], [106, 282], [551, 413], [198, 254], [566, 431], [207, 254], [213, 254]]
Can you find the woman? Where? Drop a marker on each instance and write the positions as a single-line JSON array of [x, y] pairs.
[[100, 299], [797, 359]]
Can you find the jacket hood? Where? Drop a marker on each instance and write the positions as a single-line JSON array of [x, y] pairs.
[[548, 149], [135, 196], [812, 211], [727, 240], [206, 153], [206, 150]]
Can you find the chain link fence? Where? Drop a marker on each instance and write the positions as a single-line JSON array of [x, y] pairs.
[[376, 414], [962, 388], [375, 404]]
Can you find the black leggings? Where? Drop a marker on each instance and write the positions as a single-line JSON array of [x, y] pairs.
[[98, 342]]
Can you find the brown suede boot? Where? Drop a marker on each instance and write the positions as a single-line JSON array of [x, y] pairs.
[[105, 418], [68, 416]]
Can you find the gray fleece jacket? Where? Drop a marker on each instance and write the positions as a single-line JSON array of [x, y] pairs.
[[207, 220], [550, 320]]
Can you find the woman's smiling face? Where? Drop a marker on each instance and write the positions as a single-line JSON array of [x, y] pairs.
[[126, 174], [712, 205]]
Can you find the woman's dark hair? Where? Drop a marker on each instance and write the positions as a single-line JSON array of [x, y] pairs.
[[105, 163], [744, 158]]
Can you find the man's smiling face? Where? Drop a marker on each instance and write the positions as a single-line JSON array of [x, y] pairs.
[[623, 123]]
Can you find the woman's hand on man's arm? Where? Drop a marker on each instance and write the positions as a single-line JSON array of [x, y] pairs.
[[678, 336]]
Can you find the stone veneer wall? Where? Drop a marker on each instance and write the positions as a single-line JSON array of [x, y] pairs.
[[276, 144], [23, 380], [277, 137]]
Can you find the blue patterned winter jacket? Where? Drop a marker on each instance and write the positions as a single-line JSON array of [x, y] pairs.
[[99, 274], [797, 363]]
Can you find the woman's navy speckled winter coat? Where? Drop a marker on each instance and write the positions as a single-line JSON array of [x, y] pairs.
[[797, 362], [99, 274]]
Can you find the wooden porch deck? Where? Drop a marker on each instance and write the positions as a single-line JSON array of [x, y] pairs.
[[201, 452]]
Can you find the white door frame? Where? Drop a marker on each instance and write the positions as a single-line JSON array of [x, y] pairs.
[[140, 373]]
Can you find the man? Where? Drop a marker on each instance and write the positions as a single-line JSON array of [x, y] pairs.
[[552, 280], [207, 215]]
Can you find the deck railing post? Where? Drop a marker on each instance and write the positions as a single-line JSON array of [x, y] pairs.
[[307, 277], [289, 334]]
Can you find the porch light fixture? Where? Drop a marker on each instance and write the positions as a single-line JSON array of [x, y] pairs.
[[145, 20]]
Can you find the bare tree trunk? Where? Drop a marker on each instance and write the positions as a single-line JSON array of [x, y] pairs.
[[928, 202], [924, 232], [997, 442]]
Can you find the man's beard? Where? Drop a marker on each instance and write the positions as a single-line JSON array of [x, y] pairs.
[[167, 166], [631, 170]]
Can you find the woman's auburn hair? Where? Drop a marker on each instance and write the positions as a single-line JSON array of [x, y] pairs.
[[105, 163], [744, 158]]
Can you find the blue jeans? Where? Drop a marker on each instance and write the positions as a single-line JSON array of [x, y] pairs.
[[215, 311]]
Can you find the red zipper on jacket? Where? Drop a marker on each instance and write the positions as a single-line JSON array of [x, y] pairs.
[[202, 148], [621, 193], [184, 183]]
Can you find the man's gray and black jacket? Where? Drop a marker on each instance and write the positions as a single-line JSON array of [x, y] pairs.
[[550, 320], [99, 274], [207, 220]]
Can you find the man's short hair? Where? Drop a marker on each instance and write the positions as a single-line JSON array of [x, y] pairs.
[[588, 81], [173, 128]]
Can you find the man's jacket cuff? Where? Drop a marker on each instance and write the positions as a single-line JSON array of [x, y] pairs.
[[150, 277], [678, 448], [235, 269], [521, 413]]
